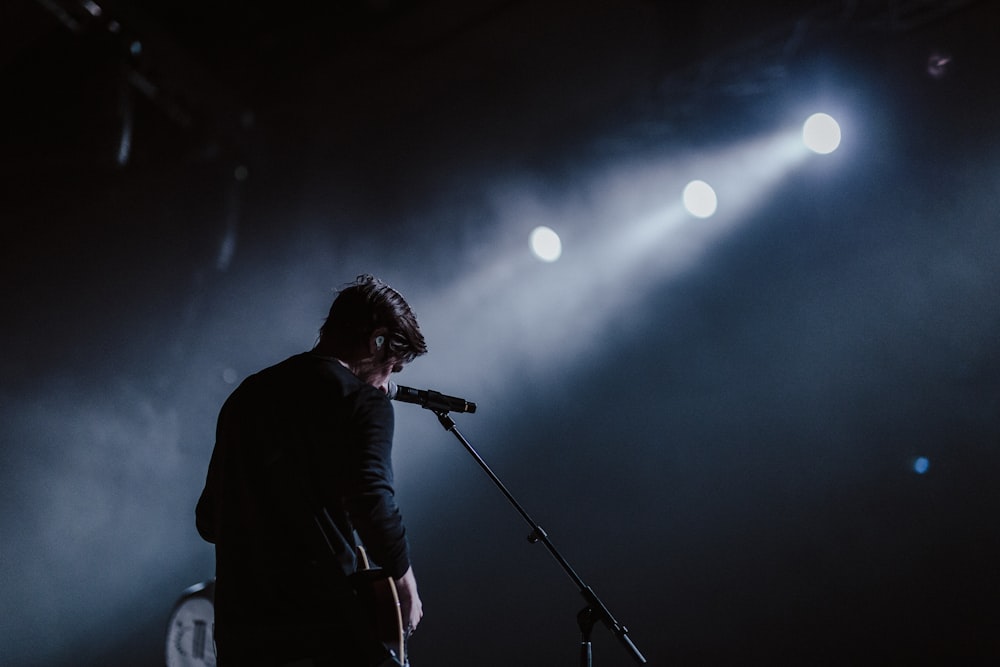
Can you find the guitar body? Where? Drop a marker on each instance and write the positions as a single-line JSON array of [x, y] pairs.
[[377, 592]]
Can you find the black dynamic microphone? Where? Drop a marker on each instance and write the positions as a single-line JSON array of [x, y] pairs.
[[431, 400]]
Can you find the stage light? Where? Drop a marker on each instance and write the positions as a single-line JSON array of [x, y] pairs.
[[821, 133], [921, 465], [545, 243], [700, 199], [938, 64]]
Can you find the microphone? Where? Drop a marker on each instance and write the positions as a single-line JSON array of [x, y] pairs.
[[429, 399]]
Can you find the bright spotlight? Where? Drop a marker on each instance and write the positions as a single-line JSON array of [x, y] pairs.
[[821, 133], [921, 465], [699, 199], [545, 244]]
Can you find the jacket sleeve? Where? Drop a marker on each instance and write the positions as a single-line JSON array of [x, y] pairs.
[[370, 498]]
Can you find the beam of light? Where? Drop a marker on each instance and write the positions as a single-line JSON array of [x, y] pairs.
[[514, 317], [821, 133]]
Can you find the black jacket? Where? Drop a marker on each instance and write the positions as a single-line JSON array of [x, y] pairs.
[[302, 458]]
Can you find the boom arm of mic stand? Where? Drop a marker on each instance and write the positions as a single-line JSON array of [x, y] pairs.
[[595, 609]]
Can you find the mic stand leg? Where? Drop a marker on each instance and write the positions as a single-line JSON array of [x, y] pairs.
[[585, 619], [595, 610]]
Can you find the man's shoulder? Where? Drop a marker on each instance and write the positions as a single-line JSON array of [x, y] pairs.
[[308, 369]]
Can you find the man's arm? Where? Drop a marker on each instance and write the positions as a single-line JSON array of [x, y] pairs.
[[370, 496], [206, 512]]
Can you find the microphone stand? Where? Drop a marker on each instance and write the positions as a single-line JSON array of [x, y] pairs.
[[595, 610]]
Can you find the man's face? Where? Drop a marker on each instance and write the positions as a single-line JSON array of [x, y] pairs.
[[377, 372]]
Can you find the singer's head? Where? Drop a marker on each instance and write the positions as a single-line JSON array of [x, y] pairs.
[[372, 329]]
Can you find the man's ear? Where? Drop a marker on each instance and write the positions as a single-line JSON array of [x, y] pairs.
[[376, 342]]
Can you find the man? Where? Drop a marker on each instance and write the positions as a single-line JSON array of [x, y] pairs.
[[301, 462]]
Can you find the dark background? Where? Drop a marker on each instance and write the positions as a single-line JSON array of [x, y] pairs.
[[720, 436]]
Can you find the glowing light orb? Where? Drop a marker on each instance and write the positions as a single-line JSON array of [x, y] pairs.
[[700, 199], [921, 464], [546, 244], [821, 133], [938, 64]]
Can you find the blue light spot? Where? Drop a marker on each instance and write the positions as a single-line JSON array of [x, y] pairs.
[[921, 465]]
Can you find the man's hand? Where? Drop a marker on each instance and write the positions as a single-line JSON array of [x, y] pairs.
[[412, 608]]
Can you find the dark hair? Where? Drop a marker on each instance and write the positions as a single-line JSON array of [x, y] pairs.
[[365, 305]]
